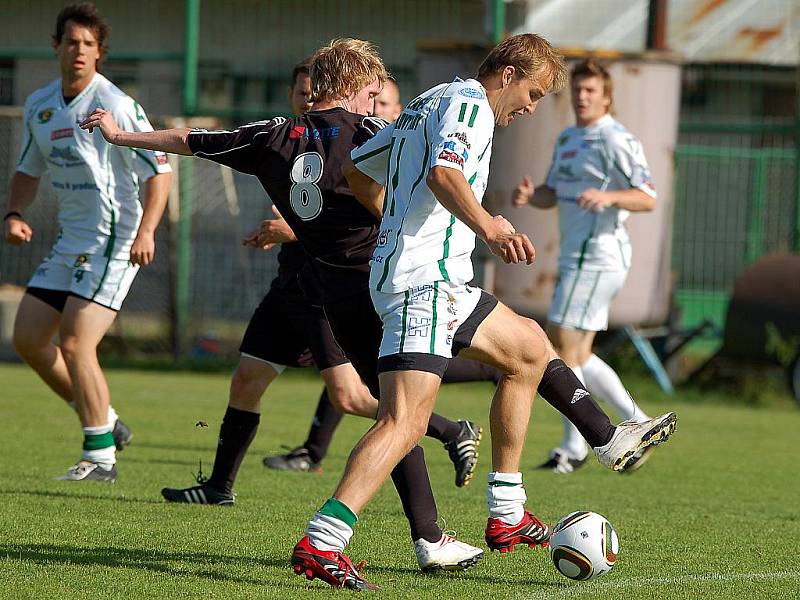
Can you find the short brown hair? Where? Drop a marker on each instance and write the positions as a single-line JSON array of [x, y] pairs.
[[344, 67], [529, 54], [86, 15], [303, 67], [591, 68]]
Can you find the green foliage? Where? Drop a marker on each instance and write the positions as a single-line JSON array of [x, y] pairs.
[[713, 515]]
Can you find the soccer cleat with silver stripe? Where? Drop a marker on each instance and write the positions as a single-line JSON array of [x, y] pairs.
[[632, 442], [530, 530], [463, 451], [448, 554], [198, 494], [90, 471], [122, 435]]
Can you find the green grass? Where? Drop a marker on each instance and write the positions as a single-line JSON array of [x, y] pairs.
[[715, 514]]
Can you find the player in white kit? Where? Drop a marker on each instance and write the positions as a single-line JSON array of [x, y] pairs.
[[433, 164], [104, 237], [599, 175]]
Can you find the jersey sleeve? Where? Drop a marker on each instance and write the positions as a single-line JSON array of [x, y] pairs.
[[372, 157], [461, 133], [145, 163], [238, 149], [627, 155], [31, 162]]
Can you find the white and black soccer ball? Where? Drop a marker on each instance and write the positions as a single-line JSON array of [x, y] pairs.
[[584, 546]]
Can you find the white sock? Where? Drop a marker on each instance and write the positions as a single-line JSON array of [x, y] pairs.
[[505, 497], [603, 382], [328, 534], [112, 416], [573, 443], [106, 452]]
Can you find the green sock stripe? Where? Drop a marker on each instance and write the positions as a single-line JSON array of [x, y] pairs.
[[504, 484], [338, 510], [98, 442]]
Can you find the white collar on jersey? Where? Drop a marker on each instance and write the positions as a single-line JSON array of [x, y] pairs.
[[603, 121]]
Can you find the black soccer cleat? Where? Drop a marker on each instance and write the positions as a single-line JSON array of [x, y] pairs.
[[198, 494], [296, 460], [561, 462], [122, 435], [463, 451]]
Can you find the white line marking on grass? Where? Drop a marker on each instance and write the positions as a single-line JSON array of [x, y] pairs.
[[642, 582]]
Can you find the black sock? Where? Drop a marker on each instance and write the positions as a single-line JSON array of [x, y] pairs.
[[410, 477], [562, 388], [442, 429], [463, 369], [325, 422], [235, 434]]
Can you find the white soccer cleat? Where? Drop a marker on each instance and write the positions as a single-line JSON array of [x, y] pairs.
[[631, 441], [447, 554]]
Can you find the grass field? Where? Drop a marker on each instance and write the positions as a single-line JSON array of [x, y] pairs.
[[714, 515]]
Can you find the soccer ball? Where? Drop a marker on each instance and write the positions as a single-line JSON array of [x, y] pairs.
[[584, 546]]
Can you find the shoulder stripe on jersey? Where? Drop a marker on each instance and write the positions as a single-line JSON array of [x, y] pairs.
[[146, 160], [375, 152], [28, 145]]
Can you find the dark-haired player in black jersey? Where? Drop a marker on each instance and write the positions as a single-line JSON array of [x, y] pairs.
[[298, 162]]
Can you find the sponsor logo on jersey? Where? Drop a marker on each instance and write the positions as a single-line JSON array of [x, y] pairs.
[[461, 137], [563, 140], [568, 154], [451, 324], [45, 115], [451, 157], [406, 121], [80, 260], [65, 154], [313, 134], [453, 147], [471, 93], [58, 134], [383, 237]]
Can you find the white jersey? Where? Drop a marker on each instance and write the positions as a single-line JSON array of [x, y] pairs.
[[607, 157], [420, 242], [96, 183]]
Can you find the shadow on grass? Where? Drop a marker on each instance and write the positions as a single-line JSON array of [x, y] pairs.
[[49, 494], [145, 560], [210, 448], [159, 461], [469, 575]]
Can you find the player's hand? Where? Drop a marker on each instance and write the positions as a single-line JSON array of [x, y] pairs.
[[306, 359], [103, 120], [523, 193], [275, 231], [512, 247], [18, 232], [594, 200], [143, 251]]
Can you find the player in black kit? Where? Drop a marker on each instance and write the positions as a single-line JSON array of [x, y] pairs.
[[298, 162]]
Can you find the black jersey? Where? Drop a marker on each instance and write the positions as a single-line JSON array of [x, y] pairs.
[[291, 259], [299, 163]]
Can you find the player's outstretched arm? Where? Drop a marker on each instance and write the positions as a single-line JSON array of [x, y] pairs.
[[455, 194], [367, 191], [20, 197], [165, 140]]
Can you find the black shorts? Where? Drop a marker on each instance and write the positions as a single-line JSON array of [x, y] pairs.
[[285, 325], [358, 329], [57, 299]]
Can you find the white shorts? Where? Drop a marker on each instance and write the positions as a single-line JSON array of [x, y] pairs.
[[582, 298], [426, 326], [90, 276]]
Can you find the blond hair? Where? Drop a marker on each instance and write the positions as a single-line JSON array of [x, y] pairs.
[[531, 55], [343, 68]]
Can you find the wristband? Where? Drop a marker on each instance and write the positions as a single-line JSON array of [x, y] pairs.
[[12, 213]]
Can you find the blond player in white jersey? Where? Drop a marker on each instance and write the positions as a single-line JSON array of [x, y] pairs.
[[426, 175], [104, 237], [599, 175]]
